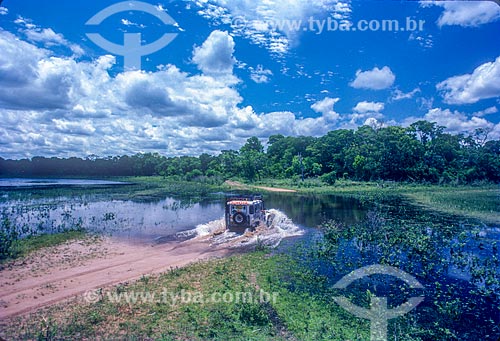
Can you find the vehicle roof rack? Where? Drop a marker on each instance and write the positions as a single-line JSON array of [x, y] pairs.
[[244, 197]]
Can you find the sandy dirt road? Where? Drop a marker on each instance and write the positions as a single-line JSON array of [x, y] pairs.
[[54, 274]]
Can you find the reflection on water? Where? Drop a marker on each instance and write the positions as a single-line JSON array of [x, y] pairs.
[[118, 218], [16, 183], [156, 219], [313, 210]]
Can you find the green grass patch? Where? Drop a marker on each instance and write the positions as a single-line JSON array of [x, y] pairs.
[[19, 248], [480, 202], [24, 247]]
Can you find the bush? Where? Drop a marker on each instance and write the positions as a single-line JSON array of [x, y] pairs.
[[8, 236], [329, 178], [193, 174]]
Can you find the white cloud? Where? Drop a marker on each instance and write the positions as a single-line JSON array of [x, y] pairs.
[[488, 111], [127, 22], [18, 61], [4, 11], [457, 122], [425, 41], [272, 24], [375, 79], [58, 106], [325, 107], [47, 36], [398, 95], [368, 107], [25, 22], [260, 75], [74, 128], [367, 112], [215, 55], [466, 13], [483, 83], [374, 123]]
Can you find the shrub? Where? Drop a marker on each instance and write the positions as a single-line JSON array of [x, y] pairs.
[[329, 178], [8, 235]]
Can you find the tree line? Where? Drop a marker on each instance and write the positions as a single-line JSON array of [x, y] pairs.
[[422, 152]]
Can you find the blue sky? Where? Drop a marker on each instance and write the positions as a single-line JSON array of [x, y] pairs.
[[238, 69]]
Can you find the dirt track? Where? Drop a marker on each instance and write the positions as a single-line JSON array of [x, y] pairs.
[[57, 273]]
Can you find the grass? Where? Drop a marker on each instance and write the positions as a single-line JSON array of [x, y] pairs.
[[24, 247], [20, 248], [292, 316], [482, 202]]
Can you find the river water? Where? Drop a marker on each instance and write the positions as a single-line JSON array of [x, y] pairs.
[[146, 220]]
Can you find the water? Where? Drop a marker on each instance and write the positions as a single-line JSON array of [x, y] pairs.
[[48, 210], [12, 183], [281, 227]]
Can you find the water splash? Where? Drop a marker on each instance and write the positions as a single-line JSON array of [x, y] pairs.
[[215, 232]]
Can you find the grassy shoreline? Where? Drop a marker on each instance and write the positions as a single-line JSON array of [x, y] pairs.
[[21, 248], [474, 201]]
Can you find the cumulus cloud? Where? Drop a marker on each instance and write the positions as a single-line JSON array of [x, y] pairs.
[[399, 95], [58, 106], [487, 111], [457, 122], [483, 83], [215, 55], [367, 112], [84, 127], [31, 79], [325, 107], [4, 11], [18, 61], [260, 75], [47, 36], [368, 107], [375, 79], [466, 13], [271, 24]]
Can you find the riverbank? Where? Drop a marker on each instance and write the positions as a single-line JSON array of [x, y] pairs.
[[472, 201], [241, 186]]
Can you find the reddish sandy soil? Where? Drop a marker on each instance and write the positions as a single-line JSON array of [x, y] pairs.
[[57, 273], [239, 185]]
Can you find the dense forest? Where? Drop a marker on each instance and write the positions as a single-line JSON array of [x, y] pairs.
[[422, 152]]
